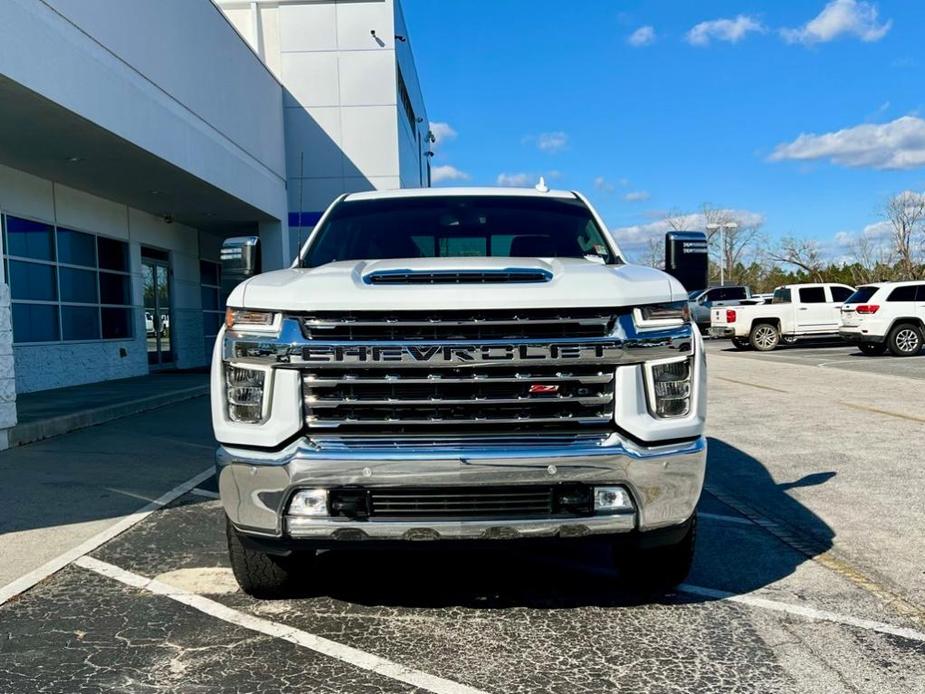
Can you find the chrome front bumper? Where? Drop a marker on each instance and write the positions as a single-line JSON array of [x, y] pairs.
[[664, 481]]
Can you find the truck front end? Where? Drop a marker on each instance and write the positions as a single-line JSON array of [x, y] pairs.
[[453, 367]]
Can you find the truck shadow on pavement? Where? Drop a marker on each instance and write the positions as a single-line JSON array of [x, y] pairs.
[[733, 555]]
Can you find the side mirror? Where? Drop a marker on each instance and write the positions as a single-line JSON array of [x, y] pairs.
[[240, 260]]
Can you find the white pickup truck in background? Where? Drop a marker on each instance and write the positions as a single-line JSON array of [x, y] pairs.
[[797, 310]]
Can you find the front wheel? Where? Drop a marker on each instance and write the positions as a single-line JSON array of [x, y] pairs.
[[872, 349], [764, 337], [658, 568], [741, 343], [905, 340], [259, 574]]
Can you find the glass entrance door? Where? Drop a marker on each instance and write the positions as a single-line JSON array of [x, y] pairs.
[[156, 274]]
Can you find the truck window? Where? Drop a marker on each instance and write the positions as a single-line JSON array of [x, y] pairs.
[[781, 296], [906, 293], [921, 293], [840, 294], [456, 226], [812, 295], [862, 295]]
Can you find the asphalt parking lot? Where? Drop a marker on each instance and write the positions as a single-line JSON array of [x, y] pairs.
[[808, 576]]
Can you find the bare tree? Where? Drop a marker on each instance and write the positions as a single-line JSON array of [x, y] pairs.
[[906, 214], [655, 252], [873, 260], [676, 220], [803, 253], [732, 246]]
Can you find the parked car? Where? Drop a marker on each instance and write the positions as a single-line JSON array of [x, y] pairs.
[[885, 315], [797, 310], [702, 301]]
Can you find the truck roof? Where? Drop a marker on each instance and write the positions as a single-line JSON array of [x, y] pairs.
[[454, 191]]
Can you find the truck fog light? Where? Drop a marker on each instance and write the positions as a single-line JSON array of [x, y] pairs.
[[244, 391], [612, 500], [669, 386], [309, 502]]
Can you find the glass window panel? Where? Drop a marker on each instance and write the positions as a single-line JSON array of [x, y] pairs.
[[117, 323], [840, 294], [32, 281], [209, 298], [906, 293], [812, 295], [78, 286], [209, 272], [76, 248], [113, 254], [211, 323], [35, 323], [115, 289], [29, 239], [80, 322]]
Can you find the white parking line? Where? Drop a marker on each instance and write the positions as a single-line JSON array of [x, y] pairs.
[[804, 611], [24, 583], [204, 492], [319, 644]]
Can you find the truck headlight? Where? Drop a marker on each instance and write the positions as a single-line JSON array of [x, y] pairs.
[[248, 321], [244, 394], [669, 385], [653, 316]]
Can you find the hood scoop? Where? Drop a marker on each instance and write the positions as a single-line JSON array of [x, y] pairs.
[[512, 275]]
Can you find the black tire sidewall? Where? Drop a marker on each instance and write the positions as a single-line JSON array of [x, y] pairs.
[[894, 349]]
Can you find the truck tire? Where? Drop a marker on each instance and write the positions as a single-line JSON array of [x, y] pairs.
[[764, 337], [741, 343], [258, 574], [872, 349], [657, 568], [905, 340]]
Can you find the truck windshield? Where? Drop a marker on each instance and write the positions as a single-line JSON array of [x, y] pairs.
[[458, 226]]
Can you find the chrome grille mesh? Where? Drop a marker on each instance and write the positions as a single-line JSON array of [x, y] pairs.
[[477, 397]]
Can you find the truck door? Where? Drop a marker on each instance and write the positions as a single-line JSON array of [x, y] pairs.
[[839, 295], [813, 309]]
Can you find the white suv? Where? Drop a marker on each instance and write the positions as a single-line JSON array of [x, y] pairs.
[[886, 315]]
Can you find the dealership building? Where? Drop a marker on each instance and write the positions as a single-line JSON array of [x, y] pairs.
[[136, 135]]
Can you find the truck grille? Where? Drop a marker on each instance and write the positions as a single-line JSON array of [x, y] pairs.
[[461, 503], [452, 398], [459, 325]]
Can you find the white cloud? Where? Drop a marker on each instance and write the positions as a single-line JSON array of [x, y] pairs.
[[637, 196], [516, 180], [899, 144], [634, 240], [840, 18], [443, 132], [552, 142], [447, 172], [603, 185], [730, 30], [643, 36]]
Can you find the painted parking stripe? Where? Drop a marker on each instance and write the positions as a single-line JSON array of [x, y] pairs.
[[319, 644], [24, 583], [804, 611], [205, 493]]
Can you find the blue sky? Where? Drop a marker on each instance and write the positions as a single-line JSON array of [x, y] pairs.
[[651, 106]]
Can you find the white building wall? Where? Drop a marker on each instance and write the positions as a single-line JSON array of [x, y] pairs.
[[169, 76], [55, 365], [346, 129]]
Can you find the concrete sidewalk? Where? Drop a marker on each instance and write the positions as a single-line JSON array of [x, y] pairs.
[[51, 413], [58, 493]]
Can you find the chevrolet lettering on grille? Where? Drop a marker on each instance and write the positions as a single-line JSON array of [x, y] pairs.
[[590, 352]]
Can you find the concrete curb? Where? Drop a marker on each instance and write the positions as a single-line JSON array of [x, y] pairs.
[[30, 432]]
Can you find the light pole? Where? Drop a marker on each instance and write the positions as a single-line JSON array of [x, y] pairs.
[[721, 228]]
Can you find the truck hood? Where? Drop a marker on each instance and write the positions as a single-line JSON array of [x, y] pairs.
[[344, 286]]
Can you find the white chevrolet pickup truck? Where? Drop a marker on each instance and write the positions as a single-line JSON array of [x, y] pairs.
[[797, 310], [457, 365]]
